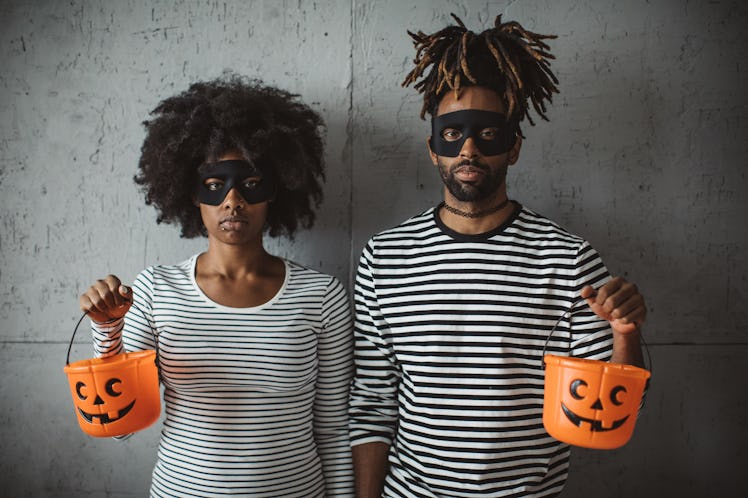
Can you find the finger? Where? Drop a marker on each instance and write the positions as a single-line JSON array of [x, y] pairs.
[[602, 301], [125, 292], [91, 309], [624, 308], [114, 283], [624, 328], [587, 292], [85, 303], [617, 294], [102, 295], [632, 310], [608, 289], [99, 303]]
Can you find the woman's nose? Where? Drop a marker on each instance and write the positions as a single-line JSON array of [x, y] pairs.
[[234, 199]]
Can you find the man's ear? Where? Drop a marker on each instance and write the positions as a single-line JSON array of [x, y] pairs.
[[431, 152], [513, 154]]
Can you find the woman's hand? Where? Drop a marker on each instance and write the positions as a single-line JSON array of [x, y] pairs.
[[107, 299], [619, 302]]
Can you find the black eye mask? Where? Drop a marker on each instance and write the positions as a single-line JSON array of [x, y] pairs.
[[233, 173], [470, 123]]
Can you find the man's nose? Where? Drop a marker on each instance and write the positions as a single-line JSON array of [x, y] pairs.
[[469, 148]]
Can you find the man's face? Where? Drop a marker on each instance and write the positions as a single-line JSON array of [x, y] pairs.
[[484, 145]]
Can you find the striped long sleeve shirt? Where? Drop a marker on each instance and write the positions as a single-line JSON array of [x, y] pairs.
[[449, 337], [255, 398]]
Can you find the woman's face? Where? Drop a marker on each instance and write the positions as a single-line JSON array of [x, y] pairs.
[[233, 220]]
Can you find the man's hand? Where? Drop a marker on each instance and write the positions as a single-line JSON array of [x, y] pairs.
[[618, 302]]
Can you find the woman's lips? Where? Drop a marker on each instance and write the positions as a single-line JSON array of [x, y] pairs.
[[233, 223]]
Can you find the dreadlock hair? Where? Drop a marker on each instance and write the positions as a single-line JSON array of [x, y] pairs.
[[506, 58], [266, 124]]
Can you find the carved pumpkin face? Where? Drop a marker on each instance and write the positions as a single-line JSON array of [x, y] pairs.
[[591, 403], [115, 396], [103, 404], [593, 407]]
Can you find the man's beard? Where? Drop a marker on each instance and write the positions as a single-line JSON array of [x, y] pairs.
[[472, 192]]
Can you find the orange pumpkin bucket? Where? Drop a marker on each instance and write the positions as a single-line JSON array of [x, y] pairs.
[[591, 403], [117, 395]]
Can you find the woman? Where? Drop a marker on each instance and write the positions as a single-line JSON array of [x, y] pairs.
[[255, 351]]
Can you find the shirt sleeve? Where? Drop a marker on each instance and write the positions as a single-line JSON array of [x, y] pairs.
[[133, 332], [335, 369], [373, 405], [592, 337]]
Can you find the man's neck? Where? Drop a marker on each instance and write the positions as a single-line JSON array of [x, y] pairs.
[[470, 218]]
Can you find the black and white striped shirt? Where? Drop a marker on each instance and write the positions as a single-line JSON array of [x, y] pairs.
[[255, 398], [449, 335]]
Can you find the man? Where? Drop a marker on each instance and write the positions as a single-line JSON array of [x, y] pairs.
[[454, 306]]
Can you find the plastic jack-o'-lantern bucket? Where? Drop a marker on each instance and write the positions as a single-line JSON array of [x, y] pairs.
[[591, 403], [117, 395]]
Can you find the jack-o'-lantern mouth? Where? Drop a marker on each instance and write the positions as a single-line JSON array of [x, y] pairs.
[[105, 418], [595, 425]]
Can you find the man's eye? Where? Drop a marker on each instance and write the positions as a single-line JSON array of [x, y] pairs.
[[450, 134], [488, 133]]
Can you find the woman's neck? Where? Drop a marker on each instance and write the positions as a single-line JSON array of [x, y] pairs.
[[235, 261]]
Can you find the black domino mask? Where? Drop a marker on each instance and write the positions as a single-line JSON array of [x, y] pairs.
[[470, 123], [233, 173]]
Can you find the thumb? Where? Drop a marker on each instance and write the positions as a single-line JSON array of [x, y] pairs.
[[125, 292], [597, 309], [624, 327]]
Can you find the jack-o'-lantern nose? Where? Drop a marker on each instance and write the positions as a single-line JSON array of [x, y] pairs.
[[597, 405], [98, 400]]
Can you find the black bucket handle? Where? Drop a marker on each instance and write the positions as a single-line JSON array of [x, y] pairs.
[[132, 304], [570, 313]]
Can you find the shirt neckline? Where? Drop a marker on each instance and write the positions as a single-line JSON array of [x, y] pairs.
[[477, 237], [266, 304]]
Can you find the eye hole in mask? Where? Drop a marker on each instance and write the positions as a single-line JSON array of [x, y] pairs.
[[217, 179], [491, 132]]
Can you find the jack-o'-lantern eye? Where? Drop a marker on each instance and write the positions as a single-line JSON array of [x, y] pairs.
[[79, 392], [574, 389], [614, 395], [110, 387]]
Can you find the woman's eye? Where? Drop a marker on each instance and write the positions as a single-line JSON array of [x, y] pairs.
[[450, 134], [213, 184], [250, 184]]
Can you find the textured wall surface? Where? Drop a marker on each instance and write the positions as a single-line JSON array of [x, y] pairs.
[[645, 156]]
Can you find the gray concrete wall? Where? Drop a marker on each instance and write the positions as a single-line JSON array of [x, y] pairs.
[[645, 155]]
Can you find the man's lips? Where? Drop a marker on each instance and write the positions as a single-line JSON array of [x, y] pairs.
[[468, 173]]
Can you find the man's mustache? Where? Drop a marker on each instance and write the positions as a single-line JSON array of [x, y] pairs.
[[472, 163]]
